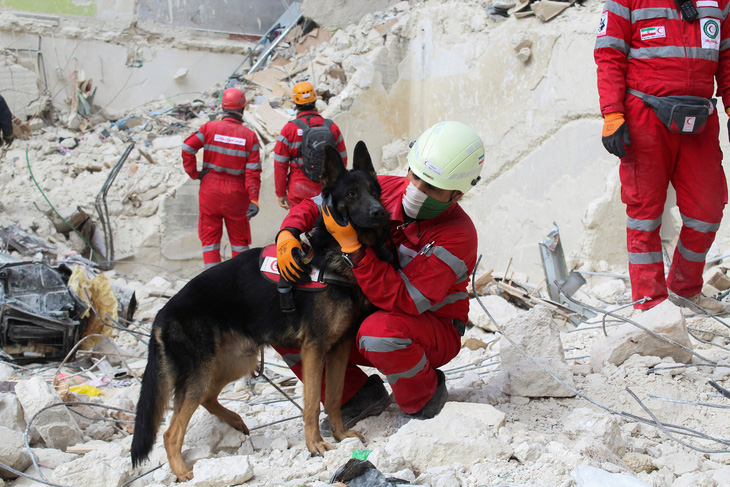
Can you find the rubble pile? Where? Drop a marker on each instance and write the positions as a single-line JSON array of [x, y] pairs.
[[539, 395], [647, 415]]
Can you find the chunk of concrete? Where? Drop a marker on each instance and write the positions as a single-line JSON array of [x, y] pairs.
[[13, 452], [11, 412], [212, 472], [665, 319], [536, 334], [449, 437], [589, 427], [56, 425], [500, 309]]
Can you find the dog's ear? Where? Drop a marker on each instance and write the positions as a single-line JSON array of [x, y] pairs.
[[361, 159], [332, 166]]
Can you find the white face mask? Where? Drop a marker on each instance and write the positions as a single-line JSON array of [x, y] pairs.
[[420, 206]]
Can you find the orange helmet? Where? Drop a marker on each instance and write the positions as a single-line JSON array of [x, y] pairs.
[[304, 93], [233, 99]]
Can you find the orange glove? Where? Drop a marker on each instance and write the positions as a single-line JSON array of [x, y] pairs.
[[343, 231], [290, 258], [615, 134]]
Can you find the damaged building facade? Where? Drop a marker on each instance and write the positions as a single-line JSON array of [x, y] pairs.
[[98, 227], [528, 89]]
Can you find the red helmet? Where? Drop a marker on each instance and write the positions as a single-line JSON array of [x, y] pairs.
[[233, 99]]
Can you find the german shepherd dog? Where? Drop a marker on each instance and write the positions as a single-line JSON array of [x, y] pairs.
[[212, 332]]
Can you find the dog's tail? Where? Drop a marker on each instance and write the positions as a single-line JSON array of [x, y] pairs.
[[151, 406]]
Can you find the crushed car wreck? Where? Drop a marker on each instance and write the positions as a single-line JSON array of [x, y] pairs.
[[41, 317]]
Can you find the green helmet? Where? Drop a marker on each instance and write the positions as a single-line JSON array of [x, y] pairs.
[[448, 155]]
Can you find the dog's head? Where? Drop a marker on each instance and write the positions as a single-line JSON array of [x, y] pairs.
[[355, 194]]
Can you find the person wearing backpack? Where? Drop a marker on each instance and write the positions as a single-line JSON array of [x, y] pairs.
[[299, 149], [230, 179]]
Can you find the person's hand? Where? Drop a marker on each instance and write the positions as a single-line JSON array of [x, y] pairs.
[[9, 140], [340, 228], [202, 174], [615, 134], [253, 209], [284, 202], [727, 110], [290, 258]]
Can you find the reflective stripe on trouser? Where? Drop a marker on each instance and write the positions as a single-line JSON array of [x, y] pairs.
[[693, 164], [354, 377], [406, 349], [222, 198]]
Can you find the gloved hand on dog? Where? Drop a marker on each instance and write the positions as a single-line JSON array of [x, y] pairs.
[[290, 258], [253, 209], [615, 134], [340, 228]]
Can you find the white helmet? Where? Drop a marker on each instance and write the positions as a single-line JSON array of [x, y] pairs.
[[448, 155]]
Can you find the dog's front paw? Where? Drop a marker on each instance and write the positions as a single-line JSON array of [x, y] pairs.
[[318, 447], [339, 436], [184, 477]]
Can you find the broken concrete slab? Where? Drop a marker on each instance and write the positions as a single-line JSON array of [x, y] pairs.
[[13, 452], [446, 438], [11, 412], [500, 309], [547, 10], [536, 334], [665, 319], [589, 427], [212, 472], [56, 425], [273, 119]]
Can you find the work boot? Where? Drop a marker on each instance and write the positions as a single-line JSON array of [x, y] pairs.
[[437, 401], [371, 399], [700, 300]]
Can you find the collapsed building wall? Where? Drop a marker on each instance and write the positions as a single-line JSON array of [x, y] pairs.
[[527, 86]]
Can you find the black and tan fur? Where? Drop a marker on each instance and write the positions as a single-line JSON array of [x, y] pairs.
[[212, 331]]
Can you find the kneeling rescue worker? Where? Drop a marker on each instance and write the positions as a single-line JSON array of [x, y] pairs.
[[423, 306]]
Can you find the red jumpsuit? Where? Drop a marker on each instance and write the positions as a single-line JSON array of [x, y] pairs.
[[646, 46], [289, 178], [231, 155], [412, 332]]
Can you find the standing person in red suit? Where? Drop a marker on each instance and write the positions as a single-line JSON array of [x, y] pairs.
[[658, 64], [292, 184], [229, 180]]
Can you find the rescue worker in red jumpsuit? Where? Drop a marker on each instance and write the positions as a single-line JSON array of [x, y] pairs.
[[423, 306], [649, 47], [229, 180], [292, 186]]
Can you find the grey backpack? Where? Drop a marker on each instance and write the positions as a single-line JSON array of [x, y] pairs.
[[311, 151]]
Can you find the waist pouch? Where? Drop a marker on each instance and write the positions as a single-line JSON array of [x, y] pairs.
[[680, 114]]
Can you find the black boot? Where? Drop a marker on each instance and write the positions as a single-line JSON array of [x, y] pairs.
[[371, 399], [437, 401]]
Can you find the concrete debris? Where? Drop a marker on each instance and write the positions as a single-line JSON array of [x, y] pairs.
[[56, 426], [507, 420], [665, 319], [536, 334]]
